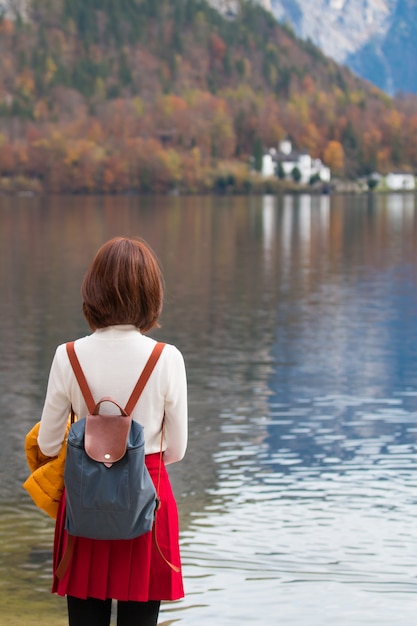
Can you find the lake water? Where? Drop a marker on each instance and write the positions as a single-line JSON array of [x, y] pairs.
[[297, 318]]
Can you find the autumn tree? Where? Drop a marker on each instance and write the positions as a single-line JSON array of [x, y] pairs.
[[151, 95], [334, 156]]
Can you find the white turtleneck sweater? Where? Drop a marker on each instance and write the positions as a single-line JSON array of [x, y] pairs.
[[112, 359]]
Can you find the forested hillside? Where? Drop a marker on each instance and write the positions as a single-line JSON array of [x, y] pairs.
[[154, 95]]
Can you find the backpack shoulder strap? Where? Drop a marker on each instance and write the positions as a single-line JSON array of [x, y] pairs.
[[79, 375], [144, 377], [139, 387]]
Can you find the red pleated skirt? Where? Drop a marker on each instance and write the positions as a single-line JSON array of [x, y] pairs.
[[125, 569]]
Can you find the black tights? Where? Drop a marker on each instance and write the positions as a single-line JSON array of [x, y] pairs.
[[93, 612]]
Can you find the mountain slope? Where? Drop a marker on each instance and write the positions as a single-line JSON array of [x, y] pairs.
[[389, 60], [375, 38], [145, 95], [338, 27]]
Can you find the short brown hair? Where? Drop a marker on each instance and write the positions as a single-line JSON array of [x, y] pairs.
[[123, 285]]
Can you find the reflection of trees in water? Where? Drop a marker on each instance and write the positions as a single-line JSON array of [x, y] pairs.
[[345, 328]]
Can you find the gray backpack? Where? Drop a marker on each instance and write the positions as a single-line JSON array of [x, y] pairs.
[[109, 491]]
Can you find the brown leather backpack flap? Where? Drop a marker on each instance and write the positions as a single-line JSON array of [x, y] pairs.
[[105, 437]]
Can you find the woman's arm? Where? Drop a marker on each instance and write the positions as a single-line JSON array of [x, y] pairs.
[[176, 410], [55, 411]]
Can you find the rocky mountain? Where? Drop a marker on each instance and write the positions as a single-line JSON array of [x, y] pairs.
[[375, 38], [389, 60]]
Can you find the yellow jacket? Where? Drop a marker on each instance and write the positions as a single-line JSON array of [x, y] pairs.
[[46, 482]]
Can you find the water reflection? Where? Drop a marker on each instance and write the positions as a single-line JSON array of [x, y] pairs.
[[297, 320]]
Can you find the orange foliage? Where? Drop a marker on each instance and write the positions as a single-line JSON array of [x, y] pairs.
[[115, 176], [308, 85], [217, 47], [411, 141], [371, 143], [334, 156], [6, 26], [384, 159], [41, 110], [94, 131], [7, 157], [25, 82], [270, 130], [311, 139]]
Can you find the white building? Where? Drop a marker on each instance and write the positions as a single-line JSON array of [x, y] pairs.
[[400, 180], [289, 160]]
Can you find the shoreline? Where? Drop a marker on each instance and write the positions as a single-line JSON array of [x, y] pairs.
[[223, 185]]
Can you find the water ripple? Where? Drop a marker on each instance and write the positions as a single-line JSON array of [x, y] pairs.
[[305, 524]]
